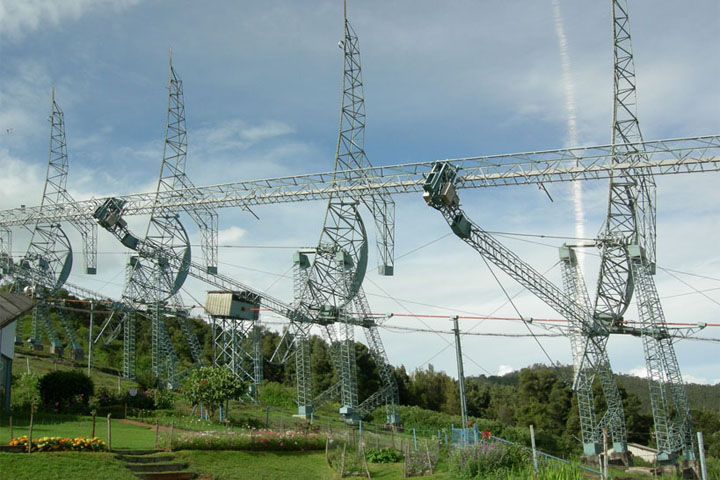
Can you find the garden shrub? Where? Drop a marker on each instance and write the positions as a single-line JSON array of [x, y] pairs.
[[488, 458], [278, 395], [66, 391], [161, 398], [246, 421], [147, 380], [26, 390], [384, 455], [152, 399]]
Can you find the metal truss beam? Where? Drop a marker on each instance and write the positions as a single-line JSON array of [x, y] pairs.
[[661, 157], [441, 195]]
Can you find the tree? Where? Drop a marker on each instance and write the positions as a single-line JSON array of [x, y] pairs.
[[404, 384], [368, 377], [429, 389], [323, 374], [211, 387], [478, 397], [26, 389]]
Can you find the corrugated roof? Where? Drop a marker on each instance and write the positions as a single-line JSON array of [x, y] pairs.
[[12, 306]]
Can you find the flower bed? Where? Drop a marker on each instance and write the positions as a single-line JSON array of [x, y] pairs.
[[61, 444], [262, 440]]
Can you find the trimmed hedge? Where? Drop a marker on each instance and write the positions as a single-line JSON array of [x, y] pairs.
[[66, 391]]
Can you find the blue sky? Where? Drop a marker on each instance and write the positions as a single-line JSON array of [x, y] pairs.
[[262, 91]]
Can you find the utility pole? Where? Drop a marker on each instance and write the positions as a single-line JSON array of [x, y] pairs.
[[90, 337], [461, 374]]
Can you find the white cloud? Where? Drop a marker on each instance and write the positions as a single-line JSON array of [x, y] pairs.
[[638, 372], [231, 236], [504, 370], [234, 135], [641, 371], [694, 379], [264, 131], [20, 18], [21, 183]]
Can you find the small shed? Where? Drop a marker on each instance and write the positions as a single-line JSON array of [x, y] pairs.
[[237, 305], [641, 451], [12, 306], [647, 454]]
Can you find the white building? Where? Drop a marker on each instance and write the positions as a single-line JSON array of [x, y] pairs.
[[12, 306]]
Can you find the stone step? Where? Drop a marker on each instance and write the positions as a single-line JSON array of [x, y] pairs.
[[156, 467], [145, 458], [135, 452], [167, 475]]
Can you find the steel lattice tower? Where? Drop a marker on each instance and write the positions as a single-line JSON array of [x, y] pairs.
[[588, 341], [332, 285], [628, 254], [50, 253], [159, 270]]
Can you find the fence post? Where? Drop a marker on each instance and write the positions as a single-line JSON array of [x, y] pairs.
[[32, 412], [605, 454], [157, 432], [405, 461], [534, 450], [172, 427], [267, 417], [439, 438], [11, 429], [414, 439], [431, 467], [703, 466], [90, 335], [342, 461], [93, 425], [109, 433]]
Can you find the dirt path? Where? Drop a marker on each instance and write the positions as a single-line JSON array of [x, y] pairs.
[[151, 426]]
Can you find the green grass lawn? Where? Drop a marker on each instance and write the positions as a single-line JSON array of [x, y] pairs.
[[279, 466], [216, 464], [123, 435], [62, 466]]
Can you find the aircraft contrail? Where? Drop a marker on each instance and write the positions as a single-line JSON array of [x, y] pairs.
[[569, 87]]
